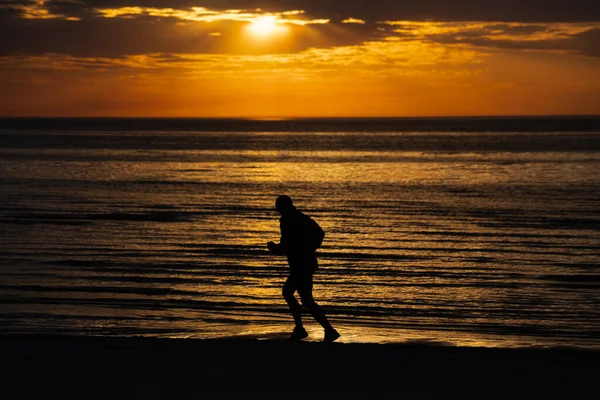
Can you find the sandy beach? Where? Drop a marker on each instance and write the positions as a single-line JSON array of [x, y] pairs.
[[128, 368]]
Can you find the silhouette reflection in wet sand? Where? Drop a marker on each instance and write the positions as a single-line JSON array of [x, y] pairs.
[[301, 236]]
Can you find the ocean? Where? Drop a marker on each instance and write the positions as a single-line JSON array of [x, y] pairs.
[[454, 231]]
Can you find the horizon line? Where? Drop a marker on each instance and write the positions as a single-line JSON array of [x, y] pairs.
[[280, 119]]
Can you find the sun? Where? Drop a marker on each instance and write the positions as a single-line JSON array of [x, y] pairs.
[[265, 26]]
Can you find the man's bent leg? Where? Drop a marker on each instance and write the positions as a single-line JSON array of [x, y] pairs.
[[315, 310], [289, 287], [305, 292]]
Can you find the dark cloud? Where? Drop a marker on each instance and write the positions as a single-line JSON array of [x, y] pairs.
[[446, 10], [462, 10], [373, 10], [69, 8], [95, 36], [115, 37], [516, 37], [589, 42]]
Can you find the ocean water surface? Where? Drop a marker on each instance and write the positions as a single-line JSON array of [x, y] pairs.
[[470, 232]]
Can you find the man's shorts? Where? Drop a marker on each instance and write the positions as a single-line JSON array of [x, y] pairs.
[[300, 281], [302, 268]]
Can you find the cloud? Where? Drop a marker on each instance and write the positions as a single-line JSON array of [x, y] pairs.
[[39, 9], [179, 32], [369, 11], [202, 14], [353, 21], [377, 10], [568, 37], [376, 58], [76, 9], [119, 28]]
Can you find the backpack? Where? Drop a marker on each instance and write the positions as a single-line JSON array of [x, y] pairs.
[[314, 233]]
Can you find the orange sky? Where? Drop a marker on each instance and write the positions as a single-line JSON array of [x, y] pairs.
[[209, 62]]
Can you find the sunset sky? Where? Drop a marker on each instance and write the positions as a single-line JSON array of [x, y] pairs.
[[299, 58]]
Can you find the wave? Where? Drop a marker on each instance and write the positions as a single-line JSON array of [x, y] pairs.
[[86, 219], [253, 143], [406, 124]]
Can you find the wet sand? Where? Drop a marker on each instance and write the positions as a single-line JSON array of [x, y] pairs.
[[132, 368]]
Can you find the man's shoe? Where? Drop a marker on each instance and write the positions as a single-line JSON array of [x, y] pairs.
[[298, 334], [331, 335]]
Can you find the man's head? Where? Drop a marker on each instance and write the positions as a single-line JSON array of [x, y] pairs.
[[284, 204]]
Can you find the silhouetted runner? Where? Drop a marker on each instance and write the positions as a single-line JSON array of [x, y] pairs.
[[300, 238]]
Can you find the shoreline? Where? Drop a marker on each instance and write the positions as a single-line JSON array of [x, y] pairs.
[[110, 367]]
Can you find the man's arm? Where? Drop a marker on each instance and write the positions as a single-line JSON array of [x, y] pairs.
[[281, 247], [275, 248]]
